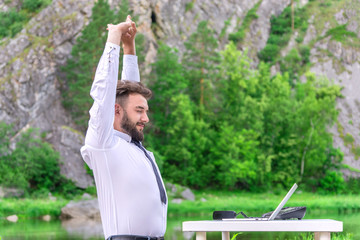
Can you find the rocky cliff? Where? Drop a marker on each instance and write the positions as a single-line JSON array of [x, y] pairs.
[[29, 89], [29, 86]]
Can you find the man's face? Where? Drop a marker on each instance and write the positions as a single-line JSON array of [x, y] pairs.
[[135, 116]]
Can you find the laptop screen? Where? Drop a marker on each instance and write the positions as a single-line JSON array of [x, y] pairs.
[[281, 205]]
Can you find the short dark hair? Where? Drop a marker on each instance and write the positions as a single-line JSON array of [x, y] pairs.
[[124, 88]]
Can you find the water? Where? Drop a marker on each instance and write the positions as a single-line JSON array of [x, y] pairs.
[[36, 229]]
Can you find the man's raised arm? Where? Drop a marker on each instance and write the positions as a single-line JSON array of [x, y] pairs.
[[130, 63], [103, 90]]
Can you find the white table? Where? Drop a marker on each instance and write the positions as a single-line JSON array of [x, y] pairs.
[[321, 227]]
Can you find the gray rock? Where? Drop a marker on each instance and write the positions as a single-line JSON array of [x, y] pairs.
[[11, 192], [12, 218], [310, 34], [86, 196], [72, 163], [170, 189], [14, 47], [46, 218], [340, 17], [86, 209], [51, 197], [188, 194]]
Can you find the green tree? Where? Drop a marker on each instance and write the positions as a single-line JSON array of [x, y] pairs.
[[263, 132], [288, 126], [168, 81], [200, 60], [188, 146]]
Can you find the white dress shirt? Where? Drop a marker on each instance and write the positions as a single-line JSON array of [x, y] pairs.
[[128, 194]]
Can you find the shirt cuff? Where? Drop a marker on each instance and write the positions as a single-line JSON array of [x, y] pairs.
[[130, 68], [130, 60], [112, 47]]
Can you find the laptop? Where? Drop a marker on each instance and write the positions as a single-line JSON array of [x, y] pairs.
[[273, 215]]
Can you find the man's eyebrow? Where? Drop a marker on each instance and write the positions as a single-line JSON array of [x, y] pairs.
[[141, 107]]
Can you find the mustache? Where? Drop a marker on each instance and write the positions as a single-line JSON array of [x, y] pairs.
[[148, 124]]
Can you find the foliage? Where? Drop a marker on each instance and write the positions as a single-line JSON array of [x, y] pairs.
[[200, 61], [290, 64], [340, 33], [189, 6], [32, 166], [32, 5], [332, 182], [80, 69], [184, 93], [12, 21], [170, 80], [258, 132]]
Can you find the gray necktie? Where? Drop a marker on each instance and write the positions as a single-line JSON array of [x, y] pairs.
[[158, 179]]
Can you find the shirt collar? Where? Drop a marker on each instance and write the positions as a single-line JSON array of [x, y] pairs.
[[122, 135]]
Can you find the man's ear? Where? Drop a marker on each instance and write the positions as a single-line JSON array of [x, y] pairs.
[[118, 109]]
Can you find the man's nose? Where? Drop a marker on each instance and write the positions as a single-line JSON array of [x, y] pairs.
[[144, 118]]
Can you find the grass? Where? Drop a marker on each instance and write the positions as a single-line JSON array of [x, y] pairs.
[[253, 203], [31, 208]]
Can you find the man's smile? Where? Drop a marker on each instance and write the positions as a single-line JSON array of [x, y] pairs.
[[140, 125]]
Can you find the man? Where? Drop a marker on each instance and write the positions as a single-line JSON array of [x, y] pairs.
[[131, 194]]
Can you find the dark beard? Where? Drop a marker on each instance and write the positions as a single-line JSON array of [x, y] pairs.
[[130, 128]]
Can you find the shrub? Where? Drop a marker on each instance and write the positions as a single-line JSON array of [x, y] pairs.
[[12, 21], [333, 182], [32, 166], [305, 53], [340, 33], [32, 5], [269, 53]]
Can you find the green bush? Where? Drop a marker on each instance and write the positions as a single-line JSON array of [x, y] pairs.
[[340, 33], [269, 53], [333, 182], [12, 21], [305, 53], [237, 36], [352, 186], [32, 5], [32, 166], [15, 28], [348, 139]]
